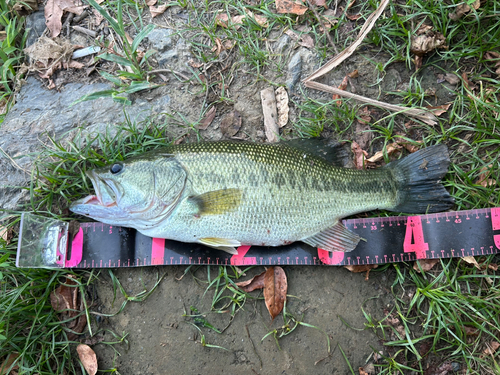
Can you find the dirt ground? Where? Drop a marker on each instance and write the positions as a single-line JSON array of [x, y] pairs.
[[162, 341]]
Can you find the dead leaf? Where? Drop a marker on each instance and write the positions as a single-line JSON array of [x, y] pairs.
[[342, 86], [353, 17], [470, 331], [282, 106], [6, 233], [491, 348], [451, 78], [222, 19], [424, 42], [54, 10], [207, 119], [319, 3], [330, 17], [353, 74], [156, 11], [268, 100], [11, 357], [218, 48], [290, 6], [472, 260], [275, 288], [230, 123], [359, 159], [362, 268], [98, 17], [368, 369], [425, 264], [390, 149], [88, 358], [438, 110], [483, 179], [256, 282], [462, 9]]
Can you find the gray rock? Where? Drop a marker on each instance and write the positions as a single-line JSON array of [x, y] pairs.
[[35, 23], [40, 113], [282, 44], [294, 71], [160, 39]]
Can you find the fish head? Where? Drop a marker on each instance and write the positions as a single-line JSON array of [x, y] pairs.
[[137, 193]]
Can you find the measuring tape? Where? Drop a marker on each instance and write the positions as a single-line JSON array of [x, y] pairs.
[[46, 242]]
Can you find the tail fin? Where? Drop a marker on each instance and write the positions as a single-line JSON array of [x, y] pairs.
[[419, 181]]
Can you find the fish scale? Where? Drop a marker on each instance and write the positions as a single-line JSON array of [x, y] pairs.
[[225, 194]]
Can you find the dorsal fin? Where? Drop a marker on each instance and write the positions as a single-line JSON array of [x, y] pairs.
[[333, 152]]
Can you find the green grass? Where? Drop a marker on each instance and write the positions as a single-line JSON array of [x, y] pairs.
[[434, 307]]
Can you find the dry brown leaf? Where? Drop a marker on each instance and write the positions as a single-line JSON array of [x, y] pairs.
[[319, 3], [230, 123], [88, 358], [390, 149], [438, 110], [268, 100], [359, 156], [368, 369], [483, 179], [330, 17], [282, 106], [470, 331], [473, 261], [362, 371], [353, 74], [290, 6], [218, 48], [156, 11], [491, 348], [4, 367], [362, 268], [493, 266], [353, 17], [462, 9], [6, 233], [98, 17], [207, 119], [222, 19], [256, 282], [425, 41], [451, 78], [275, 288], [425, 264], [342, 86], [54, 10]]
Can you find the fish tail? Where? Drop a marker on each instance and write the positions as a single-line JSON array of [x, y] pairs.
[[419, 181]]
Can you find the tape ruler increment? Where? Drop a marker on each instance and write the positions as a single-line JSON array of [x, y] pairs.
[[45, 242]]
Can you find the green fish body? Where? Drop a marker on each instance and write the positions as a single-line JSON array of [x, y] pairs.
[[226, 194]]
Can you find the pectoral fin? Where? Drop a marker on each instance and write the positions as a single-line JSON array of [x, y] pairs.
[[217, 202], [224, 244], [335, 238]]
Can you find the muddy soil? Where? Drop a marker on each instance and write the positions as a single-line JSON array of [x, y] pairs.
[[162, 341]]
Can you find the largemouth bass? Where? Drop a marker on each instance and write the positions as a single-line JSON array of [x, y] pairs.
[[227, 194]]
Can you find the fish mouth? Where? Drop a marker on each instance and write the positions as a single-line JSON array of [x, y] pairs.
[[105, 193]]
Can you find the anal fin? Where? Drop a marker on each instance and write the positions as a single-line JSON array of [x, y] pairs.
[[335, 238], [224, 244]]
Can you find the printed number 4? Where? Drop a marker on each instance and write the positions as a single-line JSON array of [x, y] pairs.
[[414, 238]]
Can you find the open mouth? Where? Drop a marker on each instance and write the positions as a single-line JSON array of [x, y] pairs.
[[94, 200]]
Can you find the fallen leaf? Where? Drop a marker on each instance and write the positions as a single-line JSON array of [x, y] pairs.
[[425, 264], [88, 358], [368, 369], [353, 17], [230, 123], [470, 331], [256, 282], [493, 266], [483, 179], [5, 366], [275, 288], [491, 348], [462, 9], [439, 110], [98, 17], [390, 149], [362, 268], [218, 48], [425, 41], [472, 260], [319, 3], [342, 86], [282, 106], [156, 11], [54, 10], [451, 78], [207, 119], [290, 6], [6, 234], [330, 17], [359, 158], [222, 19], [353, 74]]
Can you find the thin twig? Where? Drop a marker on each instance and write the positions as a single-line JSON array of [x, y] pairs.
[[326, 31], [67, 23], [85, 31]]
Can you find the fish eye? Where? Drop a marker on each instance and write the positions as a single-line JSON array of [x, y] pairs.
[[116, 168]]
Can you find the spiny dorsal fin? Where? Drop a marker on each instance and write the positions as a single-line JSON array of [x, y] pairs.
[[217, 201], [336, 238]]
